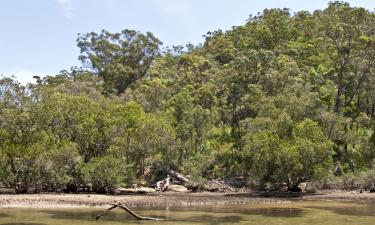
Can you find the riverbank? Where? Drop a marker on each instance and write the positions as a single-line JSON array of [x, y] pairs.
[[169, 199], [133, 201], [341, 195]]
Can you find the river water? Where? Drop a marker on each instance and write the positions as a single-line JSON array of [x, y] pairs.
[[299, 212]]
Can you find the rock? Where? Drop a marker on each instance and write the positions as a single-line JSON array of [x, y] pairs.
[[212, 187], [356, 185], [142, 183], [146, 190], [120, 191], [303, 186], [330, 183], [238, 182], [177, 188], [283, 188], [194, 187], [312, 187], [141, 190]]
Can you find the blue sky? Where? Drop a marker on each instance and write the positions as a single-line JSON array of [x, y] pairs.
[[38, 37]]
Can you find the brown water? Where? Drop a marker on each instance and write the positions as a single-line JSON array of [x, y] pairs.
[[304, 212]]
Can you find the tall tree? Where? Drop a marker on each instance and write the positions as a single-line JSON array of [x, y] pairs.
[[349, 41], [119, 58]]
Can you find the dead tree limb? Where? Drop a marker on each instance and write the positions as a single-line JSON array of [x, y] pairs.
[[105, 212], [124, 207]]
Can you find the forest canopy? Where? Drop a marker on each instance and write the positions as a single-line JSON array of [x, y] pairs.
[[286, 97]]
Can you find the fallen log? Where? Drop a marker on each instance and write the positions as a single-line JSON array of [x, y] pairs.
[[124, 207], [178, 176]]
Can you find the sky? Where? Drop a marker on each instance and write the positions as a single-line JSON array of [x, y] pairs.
[[38, 37]]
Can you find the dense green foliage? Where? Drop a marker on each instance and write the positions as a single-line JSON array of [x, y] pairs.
[[284, 98]]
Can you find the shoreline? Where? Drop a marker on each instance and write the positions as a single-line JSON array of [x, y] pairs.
[[168, 199], [133, 201]]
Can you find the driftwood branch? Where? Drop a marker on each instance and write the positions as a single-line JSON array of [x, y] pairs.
[[124, 207]]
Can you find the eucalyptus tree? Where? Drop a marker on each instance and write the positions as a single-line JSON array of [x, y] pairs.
[[119, 58]]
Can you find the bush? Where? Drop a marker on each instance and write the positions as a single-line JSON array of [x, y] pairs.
[[350, 181], [106, 174]]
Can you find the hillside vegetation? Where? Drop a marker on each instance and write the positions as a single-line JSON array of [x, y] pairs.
[[286, 97]]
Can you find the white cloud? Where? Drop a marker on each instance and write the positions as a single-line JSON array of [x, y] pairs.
[[67, 7]]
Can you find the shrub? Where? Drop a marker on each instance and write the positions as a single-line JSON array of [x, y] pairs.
[[106, 173]]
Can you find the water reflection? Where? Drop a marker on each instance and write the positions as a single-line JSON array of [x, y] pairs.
[[276, 212], [361, 210], [299, 212], [23, 224], [208, 219], [89, 216], [270, 212], [55, 214]]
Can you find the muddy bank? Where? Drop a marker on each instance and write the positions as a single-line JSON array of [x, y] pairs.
[[134, 201], [341, 195], [323, 195], [168, 199]]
